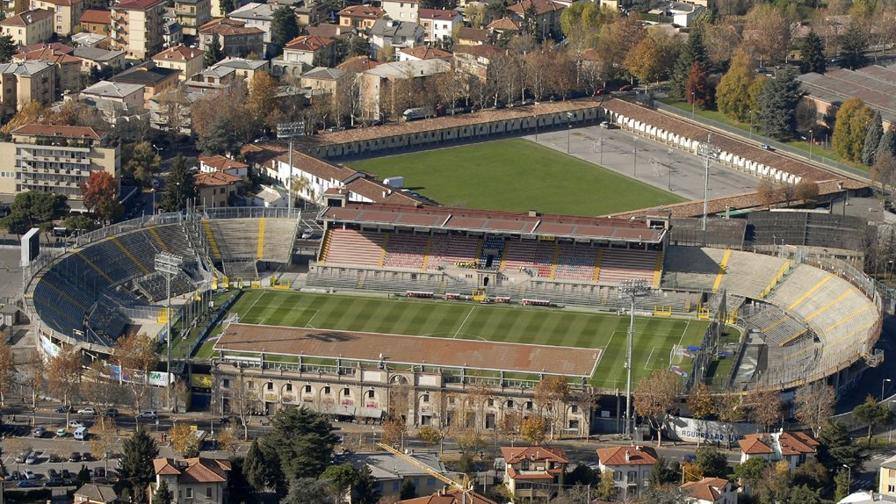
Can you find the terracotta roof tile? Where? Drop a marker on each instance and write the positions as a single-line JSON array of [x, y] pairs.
[[27, 18], [178, 53], [215, 179], [362, 11], [309, 43], [626, 455], [96, 16], [437, 14], [50, 130], [708, 489], [517, 454], [426, 52]]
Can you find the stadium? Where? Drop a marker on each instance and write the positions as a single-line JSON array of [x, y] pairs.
[[460, 311]]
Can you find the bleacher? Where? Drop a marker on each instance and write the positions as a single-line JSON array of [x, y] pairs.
[[743, 273], [236, 239], [351, 246], [620, 265], [153, 286], [277, 241], [405, 250], [777, 326], [449, 250], [576, 262]]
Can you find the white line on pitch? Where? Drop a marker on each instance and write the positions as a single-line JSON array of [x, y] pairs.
[[648, 357], [462, 324], [686, 324], [308, 324]]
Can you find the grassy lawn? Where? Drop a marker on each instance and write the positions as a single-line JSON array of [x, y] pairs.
[[715, 115], [653, 341], [516, 175], [720, 369]]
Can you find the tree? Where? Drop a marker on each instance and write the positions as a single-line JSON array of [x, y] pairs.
[[803, 495], [184, 440], [307, 491], [874, 133], [408, 490], [135, 465], [767, 34], [711, 461], [284, 27], [136, 354], [213, 53], [100, 192], [883, 171], [261, 467], [29, 113], [180, 187], [64, 375], [393, 432], [365, 490], [750, 472], [697, 88], [693, 51], [33, 209], [662, 472], [615, 40], [733, 91], [690, 471], [80, 223], [7, 48], [7, 370], [103, 438], [887, 142], [701, 402], [429, 435], [227, 6], [607, 487], [873, 414], [806, 190], [341, 479], [533, 429], [581, 23], [262, 98], [850, 129], [144, 163], [777, 104], [299, 446], [836, 448], [765, 408], [163, 495], [655, 397], [551, 395], [651, 59], [853, 44], [812, 54], [841, 484], [815, 404]]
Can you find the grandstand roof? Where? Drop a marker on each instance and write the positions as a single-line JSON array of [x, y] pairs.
[[486, 221], [400, 349]]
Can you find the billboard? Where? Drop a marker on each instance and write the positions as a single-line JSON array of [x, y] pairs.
[[30, 246]]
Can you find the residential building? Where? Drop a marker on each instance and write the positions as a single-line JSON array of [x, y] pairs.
[[94, 493], [303, 52], [29, 27], [13, 7], [450, 496], [887, 477], [115, 99], [172, 33], [137, 27], [66, 14], [387, 33], [217, 189], [472, 36], [709, 491], [23, 83], [867, 497], [99, 59], [475, 59], [504, 28], [236, 39], [324, 80], [328, 30], [270, 197], [685, 13], [358, 64], [630, 466], [377, 85], [191, 14], [533, 472], [423, 53], [256, 15], [792, 447], [68, 68], [402, 10], [228, 71], [153, 78], [439, 24], [546, 12], [192, 480], [360, 17], [170, 110], [390, 472], [96, 21], [89, 39], [189, 61], [219, 163], [55, 159]]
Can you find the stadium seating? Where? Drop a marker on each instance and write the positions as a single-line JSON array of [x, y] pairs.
[[535, 255], [778, 327], [449, 250], [619, 265], [745, 273], [351, 246], [277, 241], [405, 250], [576, 262], [236, 239]]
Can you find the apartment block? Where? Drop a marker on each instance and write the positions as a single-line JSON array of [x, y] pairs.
[[66, 14], [137, 27], [25, 82], [191, 14], [29, 27]]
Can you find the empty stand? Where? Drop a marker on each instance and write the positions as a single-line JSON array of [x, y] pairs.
[[351, 246], [576, 262], [449, 250], [620, 265], [406, 250]]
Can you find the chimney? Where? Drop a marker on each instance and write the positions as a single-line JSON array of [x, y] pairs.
[[628, 456]]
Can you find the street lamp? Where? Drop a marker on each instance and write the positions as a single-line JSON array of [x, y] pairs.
[[169, 264], [693, 103], [289, 131], [630, 289], [882, 384], [709, 153], [569, 117], [848, 478], [751, 124]]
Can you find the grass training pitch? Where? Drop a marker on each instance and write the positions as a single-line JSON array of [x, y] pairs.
[[653, 342], [516, 175]]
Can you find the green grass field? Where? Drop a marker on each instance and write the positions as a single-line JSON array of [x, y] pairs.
[[516, 175], [653, 340]]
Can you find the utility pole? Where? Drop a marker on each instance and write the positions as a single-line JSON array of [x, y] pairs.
[[708, 152], [169, 264], [631, 289], [289, 131]]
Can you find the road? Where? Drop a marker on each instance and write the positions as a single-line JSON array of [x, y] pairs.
[[648, 161]]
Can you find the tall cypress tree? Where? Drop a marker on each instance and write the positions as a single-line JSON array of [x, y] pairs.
[[213, 53], [887, 143], [812, 54], [136, 470], [179, 186], [777, 104], [872, 139], [693, 52]]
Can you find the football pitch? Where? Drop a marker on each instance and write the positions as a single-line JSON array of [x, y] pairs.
[[653, 342], [516, 175]]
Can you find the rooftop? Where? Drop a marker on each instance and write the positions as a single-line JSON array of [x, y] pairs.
[[221, 163], [24, 68], [409, 69], [97, 493], [308, 43], [57, 131], [27, 18], [362, 11], [324, 73], [178, 53], [541, 7], [708, 489], [391, 28], [437, 14], [96, 54], [109, 89], [193, 470], [254, 11], [386, 466], [426, 52], [452, 496], [513, 455], [215, 179], [474, 34], [358, 64], [226, 26], [96, 16], [875, 85], [137, 4], [526, 224], [626, 455], [145, 75]]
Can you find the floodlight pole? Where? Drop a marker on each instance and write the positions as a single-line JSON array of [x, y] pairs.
[[631, 289], [709, 153], [289, 131], [169, 264]]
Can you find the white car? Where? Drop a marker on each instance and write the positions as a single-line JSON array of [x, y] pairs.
[[148, 415], [87, 411], [75, 424]]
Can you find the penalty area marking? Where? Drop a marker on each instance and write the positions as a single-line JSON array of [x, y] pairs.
[[462, 324], [648, 357], [308, 324]]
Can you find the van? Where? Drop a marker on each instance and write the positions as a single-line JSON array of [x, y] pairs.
[[413, 114], [80, 433]]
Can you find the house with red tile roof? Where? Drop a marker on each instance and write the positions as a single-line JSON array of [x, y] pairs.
[[192, 480], [630, 465], [533, 472], [189, 61], [792, 447], [546, 13], [219, 163], [360, 17], [709, 491], [29, 27], [96, 21], [215, 190], [439, 24], [66, 14], [452, 496], [423, 53]]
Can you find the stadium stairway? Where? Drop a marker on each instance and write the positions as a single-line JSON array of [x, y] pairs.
[[276, 240], [212, 241]]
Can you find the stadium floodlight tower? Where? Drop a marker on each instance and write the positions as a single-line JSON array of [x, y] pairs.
[[289, 131], [169, 264], [708, 152], [631, 290]]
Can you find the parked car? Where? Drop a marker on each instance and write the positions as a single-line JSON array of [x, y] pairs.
[[87, 411], [32, 458], [63, 409], [61, 432], [111, 412], [74, 457], [21, 457], [38, 432], [75, 424], [55, 482], [28, 474], [26, 483], [148, 415], [15, 476]]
